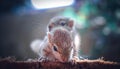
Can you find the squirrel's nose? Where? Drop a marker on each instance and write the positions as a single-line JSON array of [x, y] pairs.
[[65, 59]]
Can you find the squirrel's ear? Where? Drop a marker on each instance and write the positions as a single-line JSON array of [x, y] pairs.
[[71, 23], [50, 26], [49, 36]]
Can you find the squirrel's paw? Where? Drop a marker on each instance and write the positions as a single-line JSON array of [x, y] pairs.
[[43, 59], [74, 60]]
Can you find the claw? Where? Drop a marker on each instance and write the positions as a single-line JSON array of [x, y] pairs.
[[74, 60], [43, 59]]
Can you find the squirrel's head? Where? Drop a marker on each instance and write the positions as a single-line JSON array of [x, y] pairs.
[[61, 43], [61, 21]]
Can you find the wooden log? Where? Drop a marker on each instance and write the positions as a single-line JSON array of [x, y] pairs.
[[82, 64]]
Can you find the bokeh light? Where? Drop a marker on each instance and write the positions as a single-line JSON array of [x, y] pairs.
[[45, 4]]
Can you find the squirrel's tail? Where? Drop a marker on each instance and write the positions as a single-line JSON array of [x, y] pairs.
[[35, 45]]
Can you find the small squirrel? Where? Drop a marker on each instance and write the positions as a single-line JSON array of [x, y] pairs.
[[60, 21], [56, 22], [58, 46], [69, 24]]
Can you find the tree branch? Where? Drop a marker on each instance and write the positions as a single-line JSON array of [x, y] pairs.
[[82, 64]]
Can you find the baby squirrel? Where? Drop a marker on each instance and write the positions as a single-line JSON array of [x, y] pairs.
[[68, 24], [61, 23], [58, 45]]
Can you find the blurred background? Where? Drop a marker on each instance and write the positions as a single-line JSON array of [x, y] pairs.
[[97, 21]]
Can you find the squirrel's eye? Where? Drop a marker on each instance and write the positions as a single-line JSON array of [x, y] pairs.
[[55, 48], [62, 23]]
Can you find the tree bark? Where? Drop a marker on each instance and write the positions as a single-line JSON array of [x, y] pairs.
[[82, 64]]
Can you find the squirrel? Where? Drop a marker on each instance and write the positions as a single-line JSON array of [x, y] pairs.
[[58, 46], [56, 22], [69, 24]]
